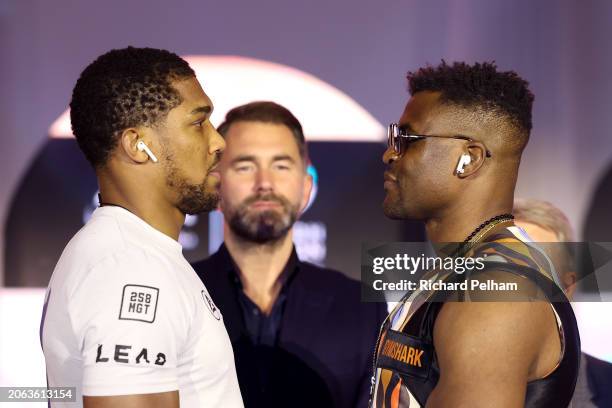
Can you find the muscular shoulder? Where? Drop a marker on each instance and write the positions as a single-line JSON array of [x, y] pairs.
[[486, 326], [503, 310], [485, 347]]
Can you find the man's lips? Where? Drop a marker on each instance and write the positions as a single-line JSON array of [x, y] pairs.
[[390, 180], [263, 204], [214, 172], [390, 177]]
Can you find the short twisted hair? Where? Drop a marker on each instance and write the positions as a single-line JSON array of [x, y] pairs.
[[480, 86], [123, 88]]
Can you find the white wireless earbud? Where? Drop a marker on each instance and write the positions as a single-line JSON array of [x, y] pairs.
[[464, 160], [141, 146]]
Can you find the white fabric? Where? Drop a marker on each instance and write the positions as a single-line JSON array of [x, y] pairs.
[[123, 289]]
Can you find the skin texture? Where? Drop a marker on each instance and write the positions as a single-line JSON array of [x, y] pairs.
[[420, 184], [487, 351], [264, 188], [540, 234], [183, 180]]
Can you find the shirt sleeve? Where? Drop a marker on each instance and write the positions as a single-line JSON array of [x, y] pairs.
[[131, 323]]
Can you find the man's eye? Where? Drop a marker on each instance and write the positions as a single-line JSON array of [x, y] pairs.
[[243, 169], [282, 167], [411, 140], [200, 123]]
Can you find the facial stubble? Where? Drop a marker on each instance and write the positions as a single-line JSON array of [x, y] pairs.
[[263, 226], [192, 198]]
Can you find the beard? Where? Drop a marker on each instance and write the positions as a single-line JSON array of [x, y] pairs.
[[263, 226], [196, 199], [192, 198]]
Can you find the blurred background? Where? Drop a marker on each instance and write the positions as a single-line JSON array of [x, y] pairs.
[[345, 61]]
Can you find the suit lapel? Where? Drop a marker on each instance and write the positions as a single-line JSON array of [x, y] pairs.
[[222, 288], [232, 313]]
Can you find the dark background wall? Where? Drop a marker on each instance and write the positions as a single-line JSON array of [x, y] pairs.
[[363, 48]]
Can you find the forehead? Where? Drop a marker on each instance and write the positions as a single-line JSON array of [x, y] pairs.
[[426, 114], [260, 139], [192, 94]]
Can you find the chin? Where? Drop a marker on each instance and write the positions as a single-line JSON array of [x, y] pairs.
[[395, 211], [391, 211], [392, 214]]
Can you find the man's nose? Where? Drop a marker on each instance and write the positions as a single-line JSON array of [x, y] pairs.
[[217, 142], [389, 156], [264, 180]]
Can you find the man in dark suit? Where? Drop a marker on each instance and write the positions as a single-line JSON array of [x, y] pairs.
[[301, 335], [545, 223]]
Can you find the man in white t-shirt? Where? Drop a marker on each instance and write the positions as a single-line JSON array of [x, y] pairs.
[[126, 320]]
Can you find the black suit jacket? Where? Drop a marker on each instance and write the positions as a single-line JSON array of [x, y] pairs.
[[597, 374], [325, 345]]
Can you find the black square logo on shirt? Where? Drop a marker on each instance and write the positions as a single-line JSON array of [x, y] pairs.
[[139, 303]]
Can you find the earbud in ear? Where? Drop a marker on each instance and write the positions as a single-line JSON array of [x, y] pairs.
[[464, 160], [142, 146]]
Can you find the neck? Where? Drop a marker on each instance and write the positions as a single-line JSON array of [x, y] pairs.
[[152, 208], [455, 224], [260, 266]]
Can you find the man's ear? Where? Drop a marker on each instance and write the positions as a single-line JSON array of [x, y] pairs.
[[128, 144], [308, 183], [478, 155]]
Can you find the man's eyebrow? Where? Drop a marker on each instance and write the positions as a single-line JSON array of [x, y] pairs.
[[244, 158], [201, 109], [279, 157], [253, 159]]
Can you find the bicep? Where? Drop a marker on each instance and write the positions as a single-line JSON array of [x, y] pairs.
[[157, 400], [485, 352]]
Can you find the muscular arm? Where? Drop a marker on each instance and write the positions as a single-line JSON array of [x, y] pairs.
[[159, 400], [488, 351]]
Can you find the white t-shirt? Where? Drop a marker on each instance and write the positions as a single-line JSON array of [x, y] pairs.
[[126, 314]]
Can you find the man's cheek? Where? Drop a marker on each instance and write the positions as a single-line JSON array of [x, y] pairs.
[[226, 187]]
